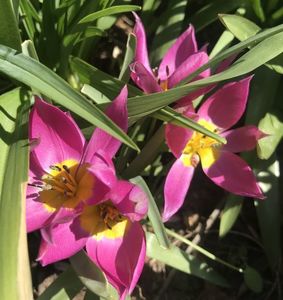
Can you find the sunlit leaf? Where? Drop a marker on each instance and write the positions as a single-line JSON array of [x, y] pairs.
[[15, 280]]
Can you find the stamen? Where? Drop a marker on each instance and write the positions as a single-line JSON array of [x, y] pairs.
[[159, 81], [71, 187], [58, 189]]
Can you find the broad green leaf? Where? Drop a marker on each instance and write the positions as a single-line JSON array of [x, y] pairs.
[[65, 287], [180, 260], [9, 32], [253, 279], [170, 27], [230, 213], [124, 75], [153, 214], [266, 50], [15, 280], [268, 210], [241, 27], [109, 11], [42, 79], [272, 126]]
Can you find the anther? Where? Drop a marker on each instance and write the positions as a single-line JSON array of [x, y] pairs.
[[158, 81], [55, 168], [64, 180], [66, 168], [167, 70]]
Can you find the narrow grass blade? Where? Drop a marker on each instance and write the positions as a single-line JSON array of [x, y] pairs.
[[153, 214]]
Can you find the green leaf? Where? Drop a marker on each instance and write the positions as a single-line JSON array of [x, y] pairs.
[[9, 32], [241, 27], [153, 214], [109, 11], [42, 79], [124, 75], [223, 42], [272, 126], [27, 14], [253, 279], [182, 261], [230, 214], [66, 286], [268, 210], [14, 265]]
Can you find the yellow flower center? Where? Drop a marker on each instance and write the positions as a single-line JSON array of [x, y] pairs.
[[201, 148], [104, 220], [66, 185]]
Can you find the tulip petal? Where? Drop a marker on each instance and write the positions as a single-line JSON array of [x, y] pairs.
[[176, 186], [144, 79], [58, 135], [129, 199], [242, 139], [183, 47], [101, 140], [225, 107], [64, 244], [191, 64], [121, 259], [141, 46], [37, 215], [234, 175], [104, 175]]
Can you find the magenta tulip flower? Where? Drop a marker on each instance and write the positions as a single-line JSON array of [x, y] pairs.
[[76, 200], [111, 233], [182, 59], [218, 113]]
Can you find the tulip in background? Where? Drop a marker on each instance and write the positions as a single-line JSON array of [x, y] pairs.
[[218, 113], [76, 200]]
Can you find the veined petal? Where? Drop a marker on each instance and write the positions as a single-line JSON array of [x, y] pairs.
[[101, 140], [144, 79], [121, 259], [64, 244], [191, 64], [225, 107], [129, 199], [59, 138], [184, 46], [176, 187], [242, 139], [141, 46], [234, 175]]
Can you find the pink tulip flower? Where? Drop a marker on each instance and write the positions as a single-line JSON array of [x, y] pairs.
[[182, 59], [218, 113], [76, 200]]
